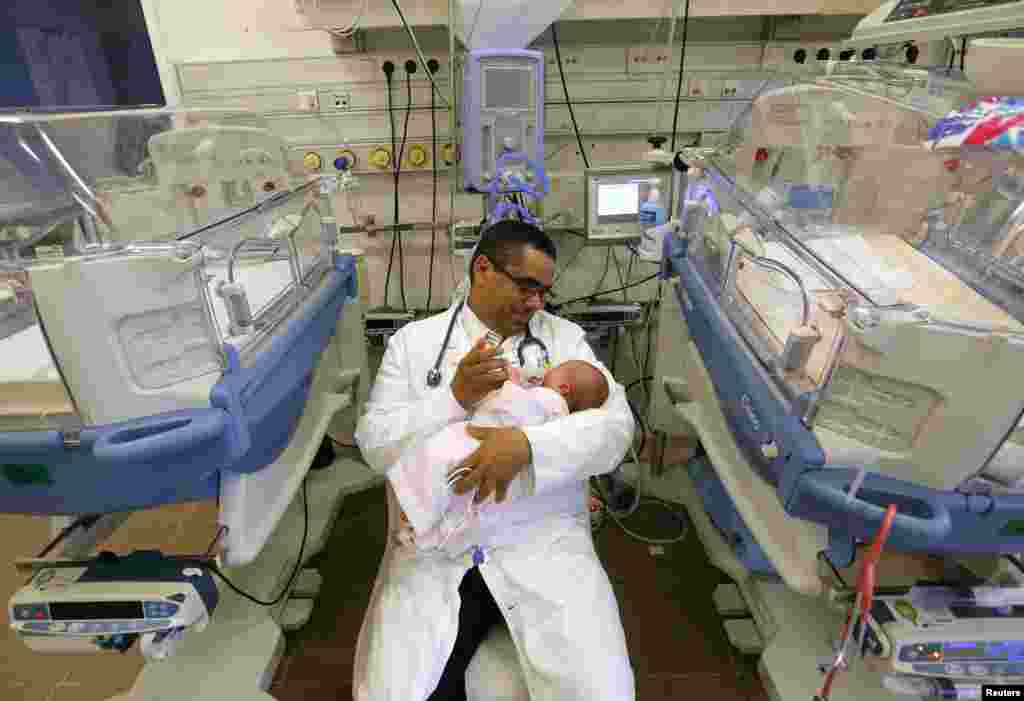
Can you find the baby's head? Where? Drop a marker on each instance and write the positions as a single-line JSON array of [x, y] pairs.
[[583, 385]]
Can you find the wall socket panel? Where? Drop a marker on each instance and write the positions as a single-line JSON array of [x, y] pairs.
[[335, 101], [572, 61], [647, 59]]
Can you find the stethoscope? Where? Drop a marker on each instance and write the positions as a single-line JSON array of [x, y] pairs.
[[529, 341]]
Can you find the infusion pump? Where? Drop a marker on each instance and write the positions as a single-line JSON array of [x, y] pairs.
[[111, 602]]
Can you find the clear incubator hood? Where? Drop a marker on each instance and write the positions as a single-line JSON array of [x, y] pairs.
[[863, 232], [133, 247]]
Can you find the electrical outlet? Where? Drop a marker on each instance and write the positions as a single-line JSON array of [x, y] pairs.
[[647, 59], [571, 61], [337, 101], [306, 101], [700, 87]]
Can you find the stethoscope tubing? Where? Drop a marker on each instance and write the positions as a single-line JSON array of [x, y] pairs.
[[434, 374]]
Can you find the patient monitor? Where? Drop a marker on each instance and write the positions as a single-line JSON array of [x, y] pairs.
[[622, 202]]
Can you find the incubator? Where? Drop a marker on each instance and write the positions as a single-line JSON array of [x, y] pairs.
[[853, 278], [166, 291]]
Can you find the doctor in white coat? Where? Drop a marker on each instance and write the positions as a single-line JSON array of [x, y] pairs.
[[531, 559]]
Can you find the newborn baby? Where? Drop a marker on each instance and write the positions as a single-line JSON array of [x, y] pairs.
[[433, 515]]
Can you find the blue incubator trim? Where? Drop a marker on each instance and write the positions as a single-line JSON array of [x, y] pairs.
[[177, 456], [727, 519], [927, 520]]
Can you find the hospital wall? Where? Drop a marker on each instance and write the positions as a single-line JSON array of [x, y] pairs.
[[614, 72], [615, 76]]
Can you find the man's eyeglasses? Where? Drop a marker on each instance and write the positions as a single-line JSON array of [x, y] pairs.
[[527, 285]]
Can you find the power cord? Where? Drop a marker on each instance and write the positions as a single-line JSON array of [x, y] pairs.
[[604, 273], [433, 67], [634, 383], [556, 307], [638, 257], [1015, 561], [822, 555], [397, 154], [565, 89], [650, 334], [679, 85], [618, 516], [85, 522], [410, 68], [643, 434], [295, 572], [632, 338], [389, 69], [565, 267], [419, 51], [641, 423]]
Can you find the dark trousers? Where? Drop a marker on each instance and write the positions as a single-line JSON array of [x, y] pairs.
[[478, 613]]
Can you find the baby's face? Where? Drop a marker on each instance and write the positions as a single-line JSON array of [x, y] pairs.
[[560, 379], [580, 383]]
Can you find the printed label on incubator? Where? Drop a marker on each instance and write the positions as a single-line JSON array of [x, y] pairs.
[[49, 252], [168, 346]]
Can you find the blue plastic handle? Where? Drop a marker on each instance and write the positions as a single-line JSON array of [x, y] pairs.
[[905, 527], [160, 437]]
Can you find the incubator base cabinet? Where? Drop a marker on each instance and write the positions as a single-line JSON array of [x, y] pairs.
[[849, 295]]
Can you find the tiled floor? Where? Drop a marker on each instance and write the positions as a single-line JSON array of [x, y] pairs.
[[675, 637]]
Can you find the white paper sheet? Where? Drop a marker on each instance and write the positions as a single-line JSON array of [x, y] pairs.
[[851, 257]]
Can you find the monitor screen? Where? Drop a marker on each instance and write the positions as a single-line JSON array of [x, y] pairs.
[[96, 610], [71, 55], [631, 199], [508, 87], [616, 200]]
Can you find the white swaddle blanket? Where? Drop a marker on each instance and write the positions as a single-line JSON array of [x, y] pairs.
[[435, 514]]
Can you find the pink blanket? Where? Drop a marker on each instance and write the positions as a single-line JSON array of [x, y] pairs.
[[434, 514]]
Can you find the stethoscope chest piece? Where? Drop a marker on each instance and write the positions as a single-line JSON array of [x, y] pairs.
[[433, 378]]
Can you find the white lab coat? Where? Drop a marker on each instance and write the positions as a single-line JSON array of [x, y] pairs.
[[543, 572]]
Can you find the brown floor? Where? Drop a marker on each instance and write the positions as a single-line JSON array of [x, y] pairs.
[[675, 636]]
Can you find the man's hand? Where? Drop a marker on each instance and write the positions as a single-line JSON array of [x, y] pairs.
[[479, 373], [502, 455]]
